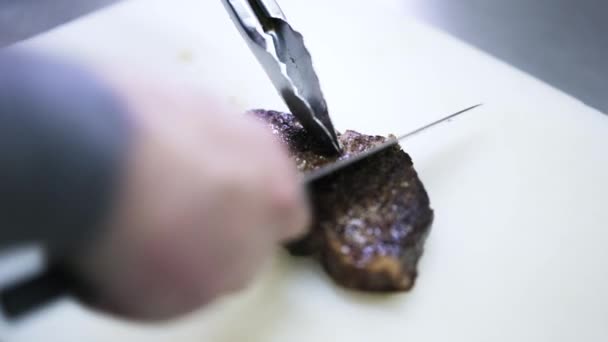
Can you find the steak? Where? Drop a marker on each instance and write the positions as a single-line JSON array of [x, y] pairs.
[[370, 219]]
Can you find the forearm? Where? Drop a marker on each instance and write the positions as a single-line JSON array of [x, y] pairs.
[[63, 137]]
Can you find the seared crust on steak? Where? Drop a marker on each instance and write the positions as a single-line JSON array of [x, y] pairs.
[[370, 219]]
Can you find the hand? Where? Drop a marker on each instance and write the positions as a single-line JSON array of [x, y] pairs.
[[206, 196]]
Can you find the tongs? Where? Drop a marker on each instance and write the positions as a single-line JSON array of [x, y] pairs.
[[281, 51]]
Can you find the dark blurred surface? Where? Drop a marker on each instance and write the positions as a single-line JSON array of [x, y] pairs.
[[562, 42], [20, 19]]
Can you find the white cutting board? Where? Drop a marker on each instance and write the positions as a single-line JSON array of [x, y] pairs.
[[519, 247]]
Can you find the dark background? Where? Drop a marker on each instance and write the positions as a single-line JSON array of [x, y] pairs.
[[562, 42]]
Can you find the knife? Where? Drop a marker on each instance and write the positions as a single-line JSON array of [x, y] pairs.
[[21, 298], [327, 170]]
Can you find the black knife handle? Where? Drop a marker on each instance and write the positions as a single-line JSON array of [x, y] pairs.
[[22, 298]]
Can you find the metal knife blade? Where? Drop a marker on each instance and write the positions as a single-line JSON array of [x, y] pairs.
[[343, 163]]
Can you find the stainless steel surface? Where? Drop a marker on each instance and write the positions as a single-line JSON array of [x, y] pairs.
[[562, 42], [281, 51], [349, 160], [21, 19]]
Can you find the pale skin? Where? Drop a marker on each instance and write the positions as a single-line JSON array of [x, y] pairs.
[[206, 196]]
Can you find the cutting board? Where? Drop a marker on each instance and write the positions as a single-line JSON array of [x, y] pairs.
[[520, 186]]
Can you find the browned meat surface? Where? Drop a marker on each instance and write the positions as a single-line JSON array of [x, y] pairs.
[[371, 219]]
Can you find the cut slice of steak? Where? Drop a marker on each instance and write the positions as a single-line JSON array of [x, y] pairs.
[[370, 219]]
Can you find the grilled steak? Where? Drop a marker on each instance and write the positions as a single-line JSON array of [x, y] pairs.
[[370, 219]]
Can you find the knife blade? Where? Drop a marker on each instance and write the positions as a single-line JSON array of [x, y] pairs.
[[334, 167]]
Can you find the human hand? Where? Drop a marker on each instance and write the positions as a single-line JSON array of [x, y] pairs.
[[206, 196]]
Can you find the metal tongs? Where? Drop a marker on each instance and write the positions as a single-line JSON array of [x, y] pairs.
[[281, 51]]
